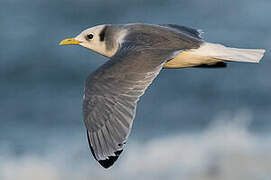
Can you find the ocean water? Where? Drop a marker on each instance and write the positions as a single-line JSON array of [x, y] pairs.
[[190, 124], [225, 150]]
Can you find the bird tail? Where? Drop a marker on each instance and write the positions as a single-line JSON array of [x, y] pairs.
[[212, 55], [224, 53]]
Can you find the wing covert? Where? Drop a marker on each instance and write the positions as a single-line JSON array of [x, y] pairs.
[[196, 33]]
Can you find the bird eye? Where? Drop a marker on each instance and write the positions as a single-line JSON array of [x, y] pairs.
[[90, 36]]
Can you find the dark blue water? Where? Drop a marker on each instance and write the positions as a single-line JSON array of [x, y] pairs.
[[42, 83]]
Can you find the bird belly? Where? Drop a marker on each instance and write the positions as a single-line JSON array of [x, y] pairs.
[[188, 59]]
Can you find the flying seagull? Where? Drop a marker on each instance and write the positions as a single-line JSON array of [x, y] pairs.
[[137, 53]]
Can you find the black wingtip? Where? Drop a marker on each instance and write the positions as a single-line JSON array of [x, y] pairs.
[[110, 161], [107, 162], [216, 65]]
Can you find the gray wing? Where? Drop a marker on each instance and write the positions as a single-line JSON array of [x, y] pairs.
[[111, 95], [196, 33], [165, 36]]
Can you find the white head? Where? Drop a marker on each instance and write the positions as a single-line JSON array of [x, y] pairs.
[[99, 39]]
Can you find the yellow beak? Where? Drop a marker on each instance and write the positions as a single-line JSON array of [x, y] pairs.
[[69, 42]]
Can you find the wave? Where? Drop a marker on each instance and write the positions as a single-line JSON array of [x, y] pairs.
[[226, 150]]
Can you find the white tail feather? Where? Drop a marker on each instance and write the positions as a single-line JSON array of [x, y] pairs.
[[221, 52]]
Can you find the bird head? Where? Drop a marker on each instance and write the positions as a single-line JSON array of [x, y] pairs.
[[98, 38]]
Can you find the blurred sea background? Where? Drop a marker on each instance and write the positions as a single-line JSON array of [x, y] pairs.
[[194, 124]]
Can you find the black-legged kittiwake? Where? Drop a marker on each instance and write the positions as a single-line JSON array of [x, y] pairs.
[[137, 53]]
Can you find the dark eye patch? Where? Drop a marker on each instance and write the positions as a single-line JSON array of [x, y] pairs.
[[90, 36], [102, 34]]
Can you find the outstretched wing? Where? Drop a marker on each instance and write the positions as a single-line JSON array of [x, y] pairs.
[[196, 33], [111, 95]]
